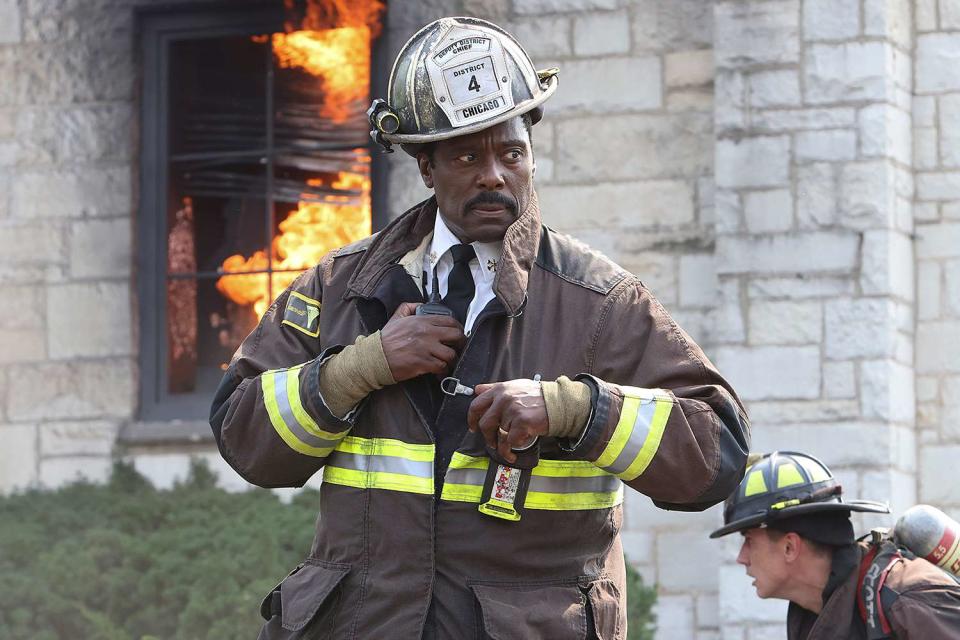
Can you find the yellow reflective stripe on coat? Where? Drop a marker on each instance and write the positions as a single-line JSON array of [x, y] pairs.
[[555, 485], [636, 438], [381, 463], [281, 397]]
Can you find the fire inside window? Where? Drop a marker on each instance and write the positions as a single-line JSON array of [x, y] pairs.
[[268, 169]]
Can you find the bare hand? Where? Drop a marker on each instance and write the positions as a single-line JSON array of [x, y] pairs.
[[415, 345], [508, 414]]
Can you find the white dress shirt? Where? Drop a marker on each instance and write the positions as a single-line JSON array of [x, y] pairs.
[[483, 268]]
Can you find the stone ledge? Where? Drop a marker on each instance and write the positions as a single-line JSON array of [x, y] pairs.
[[174, 432]]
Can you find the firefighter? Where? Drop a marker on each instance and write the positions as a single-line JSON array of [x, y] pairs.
[[798, 545], [477, 388]]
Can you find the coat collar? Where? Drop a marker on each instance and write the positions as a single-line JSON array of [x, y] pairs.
[[406, 233]]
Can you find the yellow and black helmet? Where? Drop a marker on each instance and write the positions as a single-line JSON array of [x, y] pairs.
[[786, 484], [454, 77]]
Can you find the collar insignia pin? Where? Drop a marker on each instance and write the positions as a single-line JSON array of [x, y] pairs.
[[492, 265]]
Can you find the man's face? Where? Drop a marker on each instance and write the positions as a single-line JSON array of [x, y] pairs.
[[763, 556], [483, 181]]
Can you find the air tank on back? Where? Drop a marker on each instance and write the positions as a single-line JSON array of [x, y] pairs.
[[930, 534]]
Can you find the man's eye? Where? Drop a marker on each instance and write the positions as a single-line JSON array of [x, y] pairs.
[[514, 154], [467, 157]]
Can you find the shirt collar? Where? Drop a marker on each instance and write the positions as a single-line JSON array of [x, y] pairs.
[[488, 253]]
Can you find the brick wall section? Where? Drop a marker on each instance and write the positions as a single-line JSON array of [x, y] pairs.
[[814, 190], [936, 130]]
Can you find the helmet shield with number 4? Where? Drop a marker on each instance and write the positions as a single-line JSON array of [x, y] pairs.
[[454, 77]]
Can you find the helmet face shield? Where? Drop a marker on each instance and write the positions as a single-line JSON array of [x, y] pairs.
[[454, 77]]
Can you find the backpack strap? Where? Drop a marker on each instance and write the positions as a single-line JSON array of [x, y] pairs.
[[873, 598]]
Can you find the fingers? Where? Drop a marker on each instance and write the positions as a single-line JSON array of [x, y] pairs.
[[406, 309], [478, 407], [444, 353], [504, 444]]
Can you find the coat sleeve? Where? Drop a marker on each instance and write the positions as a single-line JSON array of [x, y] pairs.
[[268, 418], [930, 613], [662, 418]]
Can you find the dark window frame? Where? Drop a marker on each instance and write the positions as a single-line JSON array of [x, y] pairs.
[[157, 29]]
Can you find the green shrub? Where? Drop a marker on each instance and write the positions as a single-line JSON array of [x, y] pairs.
[[640, 600], [124, 561]]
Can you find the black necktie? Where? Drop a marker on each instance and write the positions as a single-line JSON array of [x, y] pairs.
[[460, 288]]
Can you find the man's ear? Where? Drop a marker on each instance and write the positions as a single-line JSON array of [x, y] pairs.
[[426, 171], [790, 546]]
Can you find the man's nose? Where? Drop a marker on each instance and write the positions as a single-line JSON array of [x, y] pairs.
[[490, 175], [742, 557]]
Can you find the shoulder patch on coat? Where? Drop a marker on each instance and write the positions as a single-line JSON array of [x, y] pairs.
[[577, 263], [303, 314]]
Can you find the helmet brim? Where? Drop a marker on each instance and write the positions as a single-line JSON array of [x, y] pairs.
[[414, 143], [863, 506]]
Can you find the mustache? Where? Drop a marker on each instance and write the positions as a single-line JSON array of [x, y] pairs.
[[491, 197]]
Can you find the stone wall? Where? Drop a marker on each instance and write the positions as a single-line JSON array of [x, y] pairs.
[[781, 173]]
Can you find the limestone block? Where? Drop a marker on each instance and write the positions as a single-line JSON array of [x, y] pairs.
[[800, 252], [100, 248], [635, 146], [794, 119], [730, 100], [690, 99], [866, 194], [924, 111], [22, 345], [827, 144], [831, 19], [926, 15], [674, 616], [542, 138], [706, 196], [890, 19], [816, 196], [641, 513], [847, 72], [785, 322], [637, 545], [936, 60], [926, 151], [71, 390], [611, 85], [496, 11], [860, 328], [708, 612], [839, 380], [757, 33], [950, 422], [839, 443], [31, 242], [613, 205], [951, 211], [928, 388], [708, 633], [949, 15], [887, 264], [800, 286], [938, 241], [89, 438], [887, 391], [938, 469], [949, 129], [951, 272], [728, 209], [657, 270], [597, 34], [79, 71], [768, 211], [938, 349], [730, 327], [739, 601], [686, 561], [9, 22], [885, 131], [537, 7], [404, 184], [698, 280], [689, 68], [672, 26], [543, 36], [99, 132], [18, 456], [938, 185], [761, 161], [779, 88], [89, 319], [749, 370], [927, 212], [61, 471], [84, 191]]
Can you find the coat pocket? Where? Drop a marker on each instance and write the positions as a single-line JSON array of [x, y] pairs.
[[295, 602], [532, 611]]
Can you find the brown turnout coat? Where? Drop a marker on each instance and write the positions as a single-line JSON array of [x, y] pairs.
[[927, 607], [401, 550]]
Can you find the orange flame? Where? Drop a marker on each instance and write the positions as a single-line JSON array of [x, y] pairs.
[[333, 45], [305, 236]]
